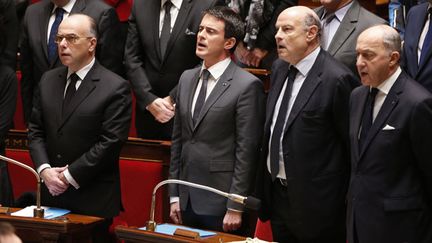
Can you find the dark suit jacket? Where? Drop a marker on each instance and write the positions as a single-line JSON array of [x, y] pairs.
[[344, 42], [8, 33], [415, 22], [151, 75], [221, 150], [88, 138], [390, 192], [34, 55], [315, 148], [8, 92]]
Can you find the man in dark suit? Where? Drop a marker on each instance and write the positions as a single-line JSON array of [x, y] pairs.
[[417, 49], [390, 195], [9, 29], [153, 74], [342, 22], [80, 120], [305, 158], [216, 136], [39, 52]]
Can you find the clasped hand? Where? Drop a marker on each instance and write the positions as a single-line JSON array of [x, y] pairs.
[[54, 180]]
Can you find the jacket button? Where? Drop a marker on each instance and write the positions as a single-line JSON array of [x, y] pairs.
[[58, 156]]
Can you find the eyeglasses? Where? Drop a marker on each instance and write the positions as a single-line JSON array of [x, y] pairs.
[[70, 39]]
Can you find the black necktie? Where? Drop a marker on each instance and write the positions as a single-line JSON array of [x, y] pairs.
[[166, 28], [70, 91], [52, 46], [201, 96], [367, 116], [279, 125], [427, 41]]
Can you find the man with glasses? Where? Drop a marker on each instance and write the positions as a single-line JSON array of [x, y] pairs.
[[38, 47], [80, 120]]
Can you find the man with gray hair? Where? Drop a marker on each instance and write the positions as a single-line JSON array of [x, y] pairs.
[[305, 156], [390, 195]]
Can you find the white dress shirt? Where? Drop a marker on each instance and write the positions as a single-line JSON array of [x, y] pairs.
[[303, 67], [67, 8], [333, 26], [173, 12]]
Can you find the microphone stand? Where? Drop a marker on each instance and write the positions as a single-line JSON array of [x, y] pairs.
[[38, 212], [151, 224]]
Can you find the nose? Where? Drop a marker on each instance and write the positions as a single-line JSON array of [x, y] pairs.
[[63, 42], [278, 35], [360, 62]]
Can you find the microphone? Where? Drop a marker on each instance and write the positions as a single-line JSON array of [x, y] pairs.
[[248, 202], [38, 212]]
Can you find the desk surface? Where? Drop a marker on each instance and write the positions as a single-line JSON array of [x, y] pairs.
[[131, 234]]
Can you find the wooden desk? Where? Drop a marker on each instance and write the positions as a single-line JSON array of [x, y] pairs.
[[135, 235], [69, 228]]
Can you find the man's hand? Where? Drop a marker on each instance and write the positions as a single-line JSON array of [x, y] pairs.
[[162, 109], [255, 56], [232, 220], [51, 177], [175, 213]]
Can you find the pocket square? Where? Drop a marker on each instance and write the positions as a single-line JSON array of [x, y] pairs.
[[388, 127], [188, 32]]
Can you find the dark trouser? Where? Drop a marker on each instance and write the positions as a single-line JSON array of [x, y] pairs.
[[148, 128], [280, 227], [101, 234], [6, 193]]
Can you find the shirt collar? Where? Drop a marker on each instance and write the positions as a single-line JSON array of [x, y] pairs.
[[305, 65], [176, 3], [218, 69], [82, 73], [388, 83], [68, 7]]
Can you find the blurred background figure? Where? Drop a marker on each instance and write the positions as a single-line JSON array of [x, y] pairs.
[[398, 10], [7, 233]]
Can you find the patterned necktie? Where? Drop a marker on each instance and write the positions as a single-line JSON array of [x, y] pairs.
[[71, 90], [427, 41], [367, 116], [52, 46], [275, 143], [201, 96], [166, 28]]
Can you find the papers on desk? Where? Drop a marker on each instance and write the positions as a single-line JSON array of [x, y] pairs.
[[50, 213], [169, 229]]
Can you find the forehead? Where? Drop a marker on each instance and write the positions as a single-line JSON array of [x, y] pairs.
[[212, 22], [293, 18], [369, 42]]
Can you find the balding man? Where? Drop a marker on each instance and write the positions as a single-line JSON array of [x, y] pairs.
[[79, 122], [305, 162], [390, 195]]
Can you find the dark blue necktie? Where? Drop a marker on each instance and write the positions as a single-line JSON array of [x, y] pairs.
[[201, 96], [427, 41], [279, 125], [52, 46], [367, 116]]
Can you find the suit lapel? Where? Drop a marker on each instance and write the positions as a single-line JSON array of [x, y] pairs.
[[58, 96], [191, 88], [312, 81], [78, 7], [86, 87], [346, 28], [178, 26], [389, 104], [44, 20], [220, 87], [356, 115], [155, 8]]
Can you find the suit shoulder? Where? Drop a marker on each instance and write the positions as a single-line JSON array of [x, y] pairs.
[[369, 19], [418, 8], [36, 8], [416, 91], [99, 5]]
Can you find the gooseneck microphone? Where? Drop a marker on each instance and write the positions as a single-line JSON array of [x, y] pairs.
[[38, 212], [248, 202]]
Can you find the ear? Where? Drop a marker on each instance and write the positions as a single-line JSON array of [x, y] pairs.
[[312, 33], [93, 43], [229, 43], [394, 58]]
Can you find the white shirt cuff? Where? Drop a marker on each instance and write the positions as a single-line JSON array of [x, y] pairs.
[[70, 179], [174, 199], [43, 167]]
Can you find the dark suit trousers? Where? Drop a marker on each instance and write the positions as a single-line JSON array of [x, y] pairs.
[[100, 233], [147, 127], [279, 221]]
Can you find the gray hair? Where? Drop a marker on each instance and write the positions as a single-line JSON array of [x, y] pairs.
[[310, 20]]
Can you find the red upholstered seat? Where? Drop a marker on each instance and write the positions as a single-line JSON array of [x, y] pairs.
[[22, 180], [263, 230]]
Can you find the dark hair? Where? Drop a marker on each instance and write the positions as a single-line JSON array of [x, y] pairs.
[[234, 26]]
